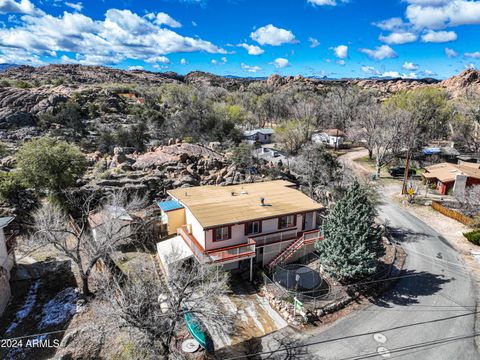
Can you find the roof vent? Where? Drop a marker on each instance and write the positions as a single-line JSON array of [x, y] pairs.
[[262, 201]]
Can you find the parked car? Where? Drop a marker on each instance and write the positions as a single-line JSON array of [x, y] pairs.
[[400, 171]]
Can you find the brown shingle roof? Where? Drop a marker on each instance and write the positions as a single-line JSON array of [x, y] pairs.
[[446, 172]]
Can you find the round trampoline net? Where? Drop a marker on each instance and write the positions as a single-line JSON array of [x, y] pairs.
[[301, 279]]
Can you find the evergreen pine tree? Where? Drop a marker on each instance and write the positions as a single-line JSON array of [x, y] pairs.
[[352, 241]]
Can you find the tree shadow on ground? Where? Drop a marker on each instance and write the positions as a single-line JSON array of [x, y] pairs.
[[404, 235], [284, 348], [410, 287]]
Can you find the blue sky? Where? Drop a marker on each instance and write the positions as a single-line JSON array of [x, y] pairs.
[[334, 38]]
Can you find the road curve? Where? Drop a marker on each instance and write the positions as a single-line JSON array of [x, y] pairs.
[[429, 314]]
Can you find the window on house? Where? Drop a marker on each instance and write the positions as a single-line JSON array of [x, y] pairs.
[[286, 221], [253, 227], [222, 233]]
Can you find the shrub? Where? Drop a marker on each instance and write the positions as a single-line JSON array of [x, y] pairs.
[[473, 236]]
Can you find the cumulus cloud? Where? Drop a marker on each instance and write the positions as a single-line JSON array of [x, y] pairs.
[[121, 35], [164, 19], [22, 7], [450, 53], [19, 56], [136, 67], [392, 24], [183, 62], [313, 42], [340, 62], [473, 55], [250, 69], [252, 49], [326, 2], [341, 51], [398, 38], [470, 66], [75, 6], [370, 70], [396, 74], [439, 36], [380, 52], [429, 73], [271, 35], [158, 59], [281, 63], [440, 14], [410, 66], [222, 61]]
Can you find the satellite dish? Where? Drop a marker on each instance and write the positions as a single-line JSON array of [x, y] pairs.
[[190, 346]]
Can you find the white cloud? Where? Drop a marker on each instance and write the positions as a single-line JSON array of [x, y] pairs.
[[398, 38], [222, 61], [164, 19], [451, 53], [252, 49], [370, 70], [271, 35], [439, 36], [396, 74], [136, 67], [470, 66], [19, 56], [429, 73], [313, 42], [250, 69], [121, 35], [76, 6], [281, 63], [183, 62], [440, 14], [410, 66], [341, 51], [340, 62], [22, 7], [392, 24], [326, 2], [158, 59], [380, 52], [473, 55]]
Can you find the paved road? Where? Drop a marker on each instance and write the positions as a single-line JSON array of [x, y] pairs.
[[428, 315]]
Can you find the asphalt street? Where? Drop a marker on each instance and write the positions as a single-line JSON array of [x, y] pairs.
[[429, 314]]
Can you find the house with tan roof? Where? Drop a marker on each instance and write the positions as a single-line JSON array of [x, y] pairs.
[[240, 226], [331, 137], [446, 175]]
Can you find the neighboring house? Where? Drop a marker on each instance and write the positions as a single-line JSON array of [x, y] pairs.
[[331, 137], [237, 226], [270, 153], [7, 260], [448, 176], [262, 136]]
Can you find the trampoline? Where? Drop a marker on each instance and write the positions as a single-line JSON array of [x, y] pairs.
[[297, 278]]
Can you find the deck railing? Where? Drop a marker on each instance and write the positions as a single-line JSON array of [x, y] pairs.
[[242, 251], [277, 236]]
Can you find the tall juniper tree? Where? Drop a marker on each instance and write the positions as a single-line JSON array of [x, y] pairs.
[[352, 241]]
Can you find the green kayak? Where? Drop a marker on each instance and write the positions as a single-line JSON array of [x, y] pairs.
[[197, 330]]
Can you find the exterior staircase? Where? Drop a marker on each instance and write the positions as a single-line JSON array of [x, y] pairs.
[[307, 238]]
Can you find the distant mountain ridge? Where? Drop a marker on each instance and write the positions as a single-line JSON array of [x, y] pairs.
[[84, 76], [7, 66]]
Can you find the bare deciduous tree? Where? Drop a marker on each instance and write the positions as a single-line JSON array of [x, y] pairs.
[[75, 238], [155, 305]]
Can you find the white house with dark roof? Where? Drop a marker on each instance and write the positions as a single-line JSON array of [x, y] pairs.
[[239, 225], [262, 136]]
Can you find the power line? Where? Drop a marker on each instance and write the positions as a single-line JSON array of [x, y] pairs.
[[357, 335]]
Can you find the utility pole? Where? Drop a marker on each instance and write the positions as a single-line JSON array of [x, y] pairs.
[[405, 176]]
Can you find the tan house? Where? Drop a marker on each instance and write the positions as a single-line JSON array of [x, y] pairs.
[[237, 226], [446, 175], [7, 260]]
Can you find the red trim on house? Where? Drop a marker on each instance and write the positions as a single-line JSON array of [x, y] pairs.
[[250, 242]]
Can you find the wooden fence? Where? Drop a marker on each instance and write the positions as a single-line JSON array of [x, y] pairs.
[[452, 213]]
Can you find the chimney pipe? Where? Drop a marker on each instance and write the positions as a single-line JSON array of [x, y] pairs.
[[262, 201]]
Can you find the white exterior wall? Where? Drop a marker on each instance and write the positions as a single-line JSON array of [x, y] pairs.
[[197, 229], [271, 251], [336, 140], [238, 232]]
